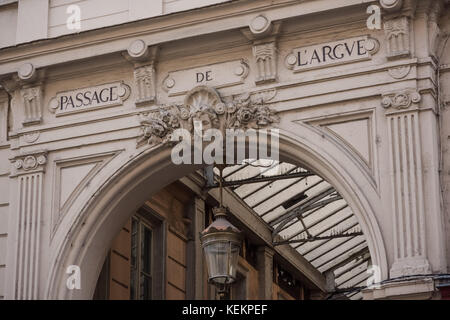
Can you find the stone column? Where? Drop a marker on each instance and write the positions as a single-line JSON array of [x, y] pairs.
[[29, 170], [410, 31], [407, 183], [264, 260]]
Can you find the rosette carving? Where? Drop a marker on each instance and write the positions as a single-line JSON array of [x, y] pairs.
[[30, 163], [400, 100]]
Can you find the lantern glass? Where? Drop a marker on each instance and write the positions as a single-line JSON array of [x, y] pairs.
[[221, 258]]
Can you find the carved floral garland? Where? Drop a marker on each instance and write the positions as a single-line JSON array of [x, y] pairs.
[[204, 104]]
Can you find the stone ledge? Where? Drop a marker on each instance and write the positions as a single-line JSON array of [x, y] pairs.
[[415, 289]]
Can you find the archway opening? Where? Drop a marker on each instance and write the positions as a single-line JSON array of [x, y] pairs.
[[119, 198]]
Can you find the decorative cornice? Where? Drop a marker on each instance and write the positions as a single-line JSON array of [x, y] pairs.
[[204, 104]]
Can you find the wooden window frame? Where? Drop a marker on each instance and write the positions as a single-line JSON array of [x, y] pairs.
[[158, 225]]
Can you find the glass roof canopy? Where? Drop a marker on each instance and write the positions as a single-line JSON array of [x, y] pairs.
[[306, 212]]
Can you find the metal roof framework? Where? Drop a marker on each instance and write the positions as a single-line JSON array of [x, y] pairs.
[[305, 211]]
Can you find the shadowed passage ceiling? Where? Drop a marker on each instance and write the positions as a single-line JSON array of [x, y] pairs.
[[306, 212]]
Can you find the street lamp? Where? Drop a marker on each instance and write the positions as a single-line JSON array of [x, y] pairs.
[[221, 242]]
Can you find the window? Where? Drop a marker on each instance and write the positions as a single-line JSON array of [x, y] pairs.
[[134, 267], [141, 260]]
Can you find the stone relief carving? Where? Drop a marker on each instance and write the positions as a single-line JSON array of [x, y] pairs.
[[400, 100], [263, 34], [30, 162], [203, 104], [31, 137], [265, 58], [32, 100], [397, 37], [143, 59], [145, 84], [399, 72]]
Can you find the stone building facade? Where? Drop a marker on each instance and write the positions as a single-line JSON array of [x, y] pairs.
[[361, 92]]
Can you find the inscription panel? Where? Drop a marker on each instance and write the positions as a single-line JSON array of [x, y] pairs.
[[90, 98], [217, 75], [331, 53]]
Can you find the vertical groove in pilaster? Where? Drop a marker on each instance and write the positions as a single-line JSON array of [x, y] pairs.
[[408, 201], [29, 215], [421, 205]]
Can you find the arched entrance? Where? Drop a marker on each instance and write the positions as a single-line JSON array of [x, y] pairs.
[[88, 229]]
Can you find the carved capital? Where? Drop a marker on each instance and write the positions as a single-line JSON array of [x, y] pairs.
[[400, 100], [204, 105], [30, 163]]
